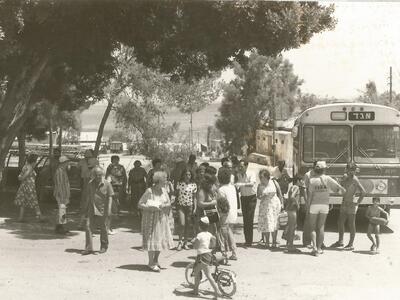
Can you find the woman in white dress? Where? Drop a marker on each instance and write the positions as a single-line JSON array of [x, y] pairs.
[[269, 193]]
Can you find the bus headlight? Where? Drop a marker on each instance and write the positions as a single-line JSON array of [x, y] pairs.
[[381, 186]]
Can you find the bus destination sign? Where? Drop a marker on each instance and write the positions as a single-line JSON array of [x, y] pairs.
[[361, 115]]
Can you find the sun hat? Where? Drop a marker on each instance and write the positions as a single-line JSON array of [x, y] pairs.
[[320, 164], [63, 159], [205, 220]]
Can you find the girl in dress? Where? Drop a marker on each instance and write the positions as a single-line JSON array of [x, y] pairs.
[[26, 194], [268, 192], [186, 192]]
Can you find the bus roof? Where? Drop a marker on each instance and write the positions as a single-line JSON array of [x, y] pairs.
[[322, 114]]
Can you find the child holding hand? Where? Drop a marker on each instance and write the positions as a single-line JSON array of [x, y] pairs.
[[204, 243], [373, 214]]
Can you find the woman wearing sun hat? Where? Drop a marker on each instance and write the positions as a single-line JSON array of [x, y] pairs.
[[318, 202]]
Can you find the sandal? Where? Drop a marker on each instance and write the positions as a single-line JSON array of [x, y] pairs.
[[179, 247], [155, 268], [315, 252]]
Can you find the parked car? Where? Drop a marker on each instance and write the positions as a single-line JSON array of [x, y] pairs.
[[44, 179]]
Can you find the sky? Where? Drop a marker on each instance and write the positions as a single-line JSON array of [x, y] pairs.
[[362, 47]]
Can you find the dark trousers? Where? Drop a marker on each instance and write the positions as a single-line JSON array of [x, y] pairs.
[[248, 207], [90, 223]]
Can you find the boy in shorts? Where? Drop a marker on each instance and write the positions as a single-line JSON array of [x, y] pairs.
[[204, 243], [374, 211]]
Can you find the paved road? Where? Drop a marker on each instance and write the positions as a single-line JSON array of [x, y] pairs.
[[37, 264]]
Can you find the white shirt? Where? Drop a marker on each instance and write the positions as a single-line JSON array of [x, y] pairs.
[[229, 192], [204, 239], [276, 173], [243, 181]]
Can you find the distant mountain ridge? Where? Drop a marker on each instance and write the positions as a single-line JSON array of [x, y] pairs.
[[91, 118]]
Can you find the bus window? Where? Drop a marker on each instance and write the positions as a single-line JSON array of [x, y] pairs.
[[376, 144], [308, 144], [331, 143]]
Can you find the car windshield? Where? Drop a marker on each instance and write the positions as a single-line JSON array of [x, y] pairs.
[[376, 144], [325, 142]]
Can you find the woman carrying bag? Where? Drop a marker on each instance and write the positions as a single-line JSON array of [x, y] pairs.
[[207, 201]]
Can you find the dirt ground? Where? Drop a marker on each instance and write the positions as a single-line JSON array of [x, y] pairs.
[[37, 264]]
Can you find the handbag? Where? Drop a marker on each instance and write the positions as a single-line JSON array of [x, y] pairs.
[[283, 219], [212, 215]]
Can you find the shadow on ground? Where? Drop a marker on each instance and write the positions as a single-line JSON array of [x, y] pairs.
[[180, 264], [187, 291], [32, 229], [136, 267]]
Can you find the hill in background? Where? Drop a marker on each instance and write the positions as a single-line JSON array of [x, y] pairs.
[[91, 119]]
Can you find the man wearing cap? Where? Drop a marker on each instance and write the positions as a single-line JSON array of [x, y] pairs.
[[348, 209], [61, 193], [318, 203], [100, 193]]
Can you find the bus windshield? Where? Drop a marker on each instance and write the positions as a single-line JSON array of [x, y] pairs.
[[326, 142], [376, 144]]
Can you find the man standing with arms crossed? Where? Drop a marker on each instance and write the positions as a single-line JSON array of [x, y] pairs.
[[100, 193], [348, 209]]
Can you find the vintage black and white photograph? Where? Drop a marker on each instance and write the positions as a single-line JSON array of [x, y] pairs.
[[193, 149]]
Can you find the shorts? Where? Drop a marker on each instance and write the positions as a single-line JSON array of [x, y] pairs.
[[205, 258], [349, 208], [316, 209], [373, 229]]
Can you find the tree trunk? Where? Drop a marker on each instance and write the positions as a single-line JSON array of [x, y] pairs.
[[101, 127], [15, 104], [21, 149], [60, 139], [51, 148]]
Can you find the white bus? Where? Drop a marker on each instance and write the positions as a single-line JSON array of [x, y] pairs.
[[367, 134]]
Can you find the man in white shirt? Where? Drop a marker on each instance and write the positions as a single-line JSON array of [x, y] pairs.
[[246, 182]]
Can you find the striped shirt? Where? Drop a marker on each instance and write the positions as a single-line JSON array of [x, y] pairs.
[[61, 185]]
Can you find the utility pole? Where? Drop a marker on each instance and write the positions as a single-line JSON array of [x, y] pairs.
[[191, 131], [390, 85], [273, 130]]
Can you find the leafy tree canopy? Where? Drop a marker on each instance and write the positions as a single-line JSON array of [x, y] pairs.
[[252, 97], [72, 42]]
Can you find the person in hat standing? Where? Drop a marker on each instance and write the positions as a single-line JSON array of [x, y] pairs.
[[62, 194], [318, 203], [349, 206]]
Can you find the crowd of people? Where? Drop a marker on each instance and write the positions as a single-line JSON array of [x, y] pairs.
[[201, 192]]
